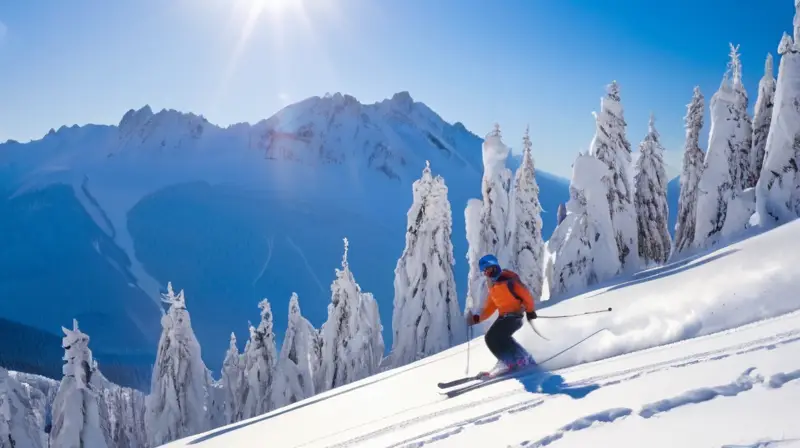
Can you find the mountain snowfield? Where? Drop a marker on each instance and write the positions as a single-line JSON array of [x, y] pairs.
[[701, 352], [230, 215]]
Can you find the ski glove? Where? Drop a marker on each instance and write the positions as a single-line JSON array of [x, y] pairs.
[[473, 319], [531, 315]]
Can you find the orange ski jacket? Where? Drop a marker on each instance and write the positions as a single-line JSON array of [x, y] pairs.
[[507, 295]]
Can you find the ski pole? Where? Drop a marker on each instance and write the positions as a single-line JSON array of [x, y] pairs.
[[574, 315], [572, 346], [537, 331], [469, 338]]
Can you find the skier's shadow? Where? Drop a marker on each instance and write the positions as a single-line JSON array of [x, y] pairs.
[[549, 383]]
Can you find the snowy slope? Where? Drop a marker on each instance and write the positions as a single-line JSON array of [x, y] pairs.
[[230, 215], [728, 376]]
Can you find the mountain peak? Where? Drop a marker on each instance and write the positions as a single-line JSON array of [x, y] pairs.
[[402, 98]]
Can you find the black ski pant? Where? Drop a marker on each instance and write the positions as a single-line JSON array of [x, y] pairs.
[[500, 338]]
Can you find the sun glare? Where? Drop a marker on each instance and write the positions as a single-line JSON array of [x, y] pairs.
[[279, 22]]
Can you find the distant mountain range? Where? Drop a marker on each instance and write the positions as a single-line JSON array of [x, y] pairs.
[[97, 219]]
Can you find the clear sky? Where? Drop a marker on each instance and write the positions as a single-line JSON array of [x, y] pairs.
[[542, 62]]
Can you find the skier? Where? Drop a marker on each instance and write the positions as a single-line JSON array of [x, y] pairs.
[[513, 301]]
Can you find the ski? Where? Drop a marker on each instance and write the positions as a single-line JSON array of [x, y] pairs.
[[459, 381], [485, 380]]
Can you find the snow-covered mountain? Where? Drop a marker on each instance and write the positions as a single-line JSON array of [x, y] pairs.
[[97, 219], [700, 352]]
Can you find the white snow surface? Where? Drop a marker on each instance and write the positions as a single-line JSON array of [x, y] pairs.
[[718, 364]]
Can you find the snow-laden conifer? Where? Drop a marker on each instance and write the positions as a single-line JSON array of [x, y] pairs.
[[294, 378], [369, 349], [762, 118], [527, 249], [426, 317], [19, 425], [583, 247], [650, 199], [691, 173], [778, 188], [261, 357], [176, 406], [233, 382], [351, 340], [491, 233], [76, 414], [727, 160], [612, 147]]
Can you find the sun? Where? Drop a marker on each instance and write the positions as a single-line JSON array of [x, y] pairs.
[[259, 7]]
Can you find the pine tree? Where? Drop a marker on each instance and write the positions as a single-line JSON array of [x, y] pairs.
[[762, 118], [778, 187], [368, 354], [350, 349], [650, 199], [176, 406], [233, 382], [583, 246], [6, 439], [426, 318], [215, 399], [76, 415], [294, 380], [528, 246], [488, 231], [19, 425], [611, 146], [742, 138], [690, 175], [261, 357], [727, 161]]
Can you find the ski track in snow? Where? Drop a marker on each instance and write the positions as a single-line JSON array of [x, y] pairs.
[[270, 244], [305, 261], [768, 443], [743, 383]]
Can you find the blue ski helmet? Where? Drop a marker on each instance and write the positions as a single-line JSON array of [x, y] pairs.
[[488, 261]]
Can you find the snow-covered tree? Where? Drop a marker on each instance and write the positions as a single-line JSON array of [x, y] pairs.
[[76, 414], [727, 161], [128, 430], [426, 318], [527, 244], [690, 174], [261, 357], [233, 382], [742, 136], [351, 341], [19, 424], [294, 380], [488, 230], [778, 188], [611, 146], [368, 348], [650, 198], [176, 406], [583, 247], [215, 401], [561, 214], [762, 118]]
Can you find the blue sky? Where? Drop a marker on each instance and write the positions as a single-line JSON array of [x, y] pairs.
[[520, 61]]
